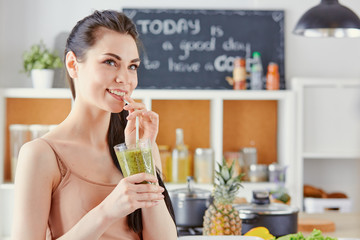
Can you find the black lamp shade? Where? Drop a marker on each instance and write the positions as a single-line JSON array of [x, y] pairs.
[[328, 19]]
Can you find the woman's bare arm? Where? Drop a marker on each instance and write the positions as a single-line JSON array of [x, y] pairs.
[[36, 175]]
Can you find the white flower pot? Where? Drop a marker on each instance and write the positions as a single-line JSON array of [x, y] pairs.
[[42, 78]]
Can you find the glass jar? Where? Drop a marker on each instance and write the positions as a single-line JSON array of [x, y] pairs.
[[258, 173], [204, 165], [249, 157], [276, 173], [19, 134]]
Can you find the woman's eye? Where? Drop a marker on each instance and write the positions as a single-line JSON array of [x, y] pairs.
[[110, 62], [134, 67]]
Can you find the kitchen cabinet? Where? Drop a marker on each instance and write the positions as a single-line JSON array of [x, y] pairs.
[[211, 109], [328, 134]]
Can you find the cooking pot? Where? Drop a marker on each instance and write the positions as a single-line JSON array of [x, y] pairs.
[[279, 219], [189, 205]]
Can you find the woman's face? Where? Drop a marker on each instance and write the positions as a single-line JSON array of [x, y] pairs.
[[109, 71]]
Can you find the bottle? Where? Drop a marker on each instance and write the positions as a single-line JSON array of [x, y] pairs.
[[165, 156], [180, 159], [272, 77], [256, 77], [239, 74]]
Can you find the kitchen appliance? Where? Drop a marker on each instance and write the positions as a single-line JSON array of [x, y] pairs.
[[280, 219], [189, 205]]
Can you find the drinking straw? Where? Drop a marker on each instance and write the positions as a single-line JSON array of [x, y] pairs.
[[136, 125]]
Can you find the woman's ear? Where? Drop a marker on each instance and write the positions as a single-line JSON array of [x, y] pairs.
[[71, 64]]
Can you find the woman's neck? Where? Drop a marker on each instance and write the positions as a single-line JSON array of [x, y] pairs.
[[88, 125]]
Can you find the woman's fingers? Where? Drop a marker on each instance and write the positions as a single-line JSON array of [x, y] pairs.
[[140, 177]]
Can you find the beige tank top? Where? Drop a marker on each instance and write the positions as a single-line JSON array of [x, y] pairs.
[[74, 197]]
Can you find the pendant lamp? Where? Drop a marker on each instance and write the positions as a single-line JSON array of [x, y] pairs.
[[328, 19]]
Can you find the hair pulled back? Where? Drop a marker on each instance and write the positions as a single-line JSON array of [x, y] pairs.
[[82, 37]]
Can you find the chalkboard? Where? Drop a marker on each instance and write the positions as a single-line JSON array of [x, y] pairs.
[[195, 49]]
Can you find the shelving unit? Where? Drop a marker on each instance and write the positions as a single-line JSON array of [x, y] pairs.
[[285, 129], [328, 134], [284, 98]]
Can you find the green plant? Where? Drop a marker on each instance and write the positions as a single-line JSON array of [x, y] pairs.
[[40, 57]]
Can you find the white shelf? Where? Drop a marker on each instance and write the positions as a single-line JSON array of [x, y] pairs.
[[35, 93], [328, 155], [328, 128], [190, 94], [7, 186]]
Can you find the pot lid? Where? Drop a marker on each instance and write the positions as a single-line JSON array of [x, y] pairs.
[[190, 192], [261, 205], [266, 209]]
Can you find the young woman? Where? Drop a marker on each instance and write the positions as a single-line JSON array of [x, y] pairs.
[[68, 183]]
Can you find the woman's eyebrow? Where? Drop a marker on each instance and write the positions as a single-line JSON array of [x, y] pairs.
[[119, 58]]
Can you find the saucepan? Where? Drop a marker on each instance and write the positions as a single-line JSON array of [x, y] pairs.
[[190, 205], [280, 219]]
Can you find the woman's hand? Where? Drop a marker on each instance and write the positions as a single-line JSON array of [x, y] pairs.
[[148, 122], [129, 195]]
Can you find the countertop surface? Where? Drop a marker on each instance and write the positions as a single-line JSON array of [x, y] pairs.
[[347, 225]]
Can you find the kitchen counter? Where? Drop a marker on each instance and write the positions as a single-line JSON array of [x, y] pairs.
[[347, 225]]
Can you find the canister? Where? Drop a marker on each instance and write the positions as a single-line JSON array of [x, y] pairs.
[[276, 173], [249, 157], [204, 165], [258, 173], [19, 134]]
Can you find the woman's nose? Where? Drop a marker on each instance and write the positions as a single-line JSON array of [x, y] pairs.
[[121, 76]]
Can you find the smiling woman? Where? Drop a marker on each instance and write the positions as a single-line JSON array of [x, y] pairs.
[[77, 158]]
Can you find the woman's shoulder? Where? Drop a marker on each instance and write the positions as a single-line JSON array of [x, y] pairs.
[[38, 157]]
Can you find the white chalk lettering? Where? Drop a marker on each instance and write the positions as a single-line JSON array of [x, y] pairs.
[[183, 66], [167, 46], [224, 63], [156, 27], [169, 26], [199, 46], [143, 25], [232, 45], [194, 26], [149, 65], [216, 31]]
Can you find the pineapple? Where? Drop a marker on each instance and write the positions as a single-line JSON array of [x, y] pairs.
[[221, 218]]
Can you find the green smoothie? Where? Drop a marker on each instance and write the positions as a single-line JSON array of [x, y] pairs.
[[134, 161]]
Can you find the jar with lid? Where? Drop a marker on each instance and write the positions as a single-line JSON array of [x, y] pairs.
[[249, 157], [276, 173], [204, 165], [165, 156], [258, 173], [19, 134]]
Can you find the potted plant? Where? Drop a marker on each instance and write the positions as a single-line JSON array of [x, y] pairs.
[[40, 62]]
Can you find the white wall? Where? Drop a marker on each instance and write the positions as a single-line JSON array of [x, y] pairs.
[[23, 23]]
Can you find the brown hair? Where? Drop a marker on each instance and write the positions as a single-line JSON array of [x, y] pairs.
[[82, 37]]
